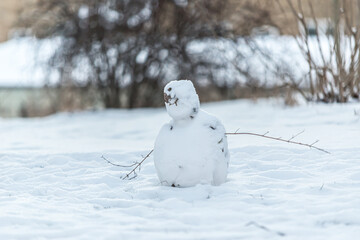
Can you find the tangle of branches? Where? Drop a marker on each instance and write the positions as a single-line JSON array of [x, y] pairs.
[[132, 174]]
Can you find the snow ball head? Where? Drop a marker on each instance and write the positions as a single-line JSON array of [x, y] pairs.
[[192, 148], [181, 99]]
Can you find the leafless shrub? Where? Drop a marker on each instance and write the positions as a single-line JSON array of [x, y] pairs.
[[332, 56], [127, 49], [250, 15]]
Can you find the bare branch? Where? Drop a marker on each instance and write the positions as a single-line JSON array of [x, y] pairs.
[[262, 227], [282, 140], [314, 143], [118, 165], [138, 165], [294, 136]]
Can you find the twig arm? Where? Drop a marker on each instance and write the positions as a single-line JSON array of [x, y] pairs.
[[280, 139], [137, 165], [117, 165]]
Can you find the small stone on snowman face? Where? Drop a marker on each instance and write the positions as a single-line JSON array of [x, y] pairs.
[[166, 98]]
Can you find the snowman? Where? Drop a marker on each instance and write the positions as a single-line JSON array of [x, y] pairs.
[[192, 148]]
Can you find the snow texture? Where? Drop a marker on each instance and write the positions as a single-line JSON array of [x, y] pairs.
[[54, 184], [192, 148]]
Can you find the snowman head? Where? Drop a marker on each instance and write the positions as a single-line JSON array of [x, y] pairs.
[[181, 100]]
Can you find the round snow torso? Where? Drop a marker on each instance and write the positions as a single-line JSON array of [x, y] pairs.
[[192, 151]]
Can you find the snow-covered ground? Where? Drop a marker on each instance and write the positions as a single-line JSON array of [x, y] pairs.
[[54, 184]]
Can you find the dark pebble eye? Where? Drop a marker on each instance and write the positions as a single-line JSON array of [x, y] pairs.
[[169, 89]]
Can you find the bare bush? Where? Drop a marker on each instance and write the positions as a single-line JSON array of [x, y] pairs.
[[127, 48], [331, 49]]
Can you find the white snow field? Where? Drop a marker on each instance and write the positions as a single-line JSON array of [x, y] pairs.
[[54, 184]]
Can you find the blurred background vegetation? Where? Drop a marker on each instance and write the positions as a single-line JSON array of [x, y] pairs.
[[121, 53]]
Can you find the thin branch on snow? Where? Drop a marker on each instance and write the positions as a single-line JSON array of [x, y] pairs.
[[118, 165], [138, 165], [262, 227], [314, 143], [294, 136], [282, 140]]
